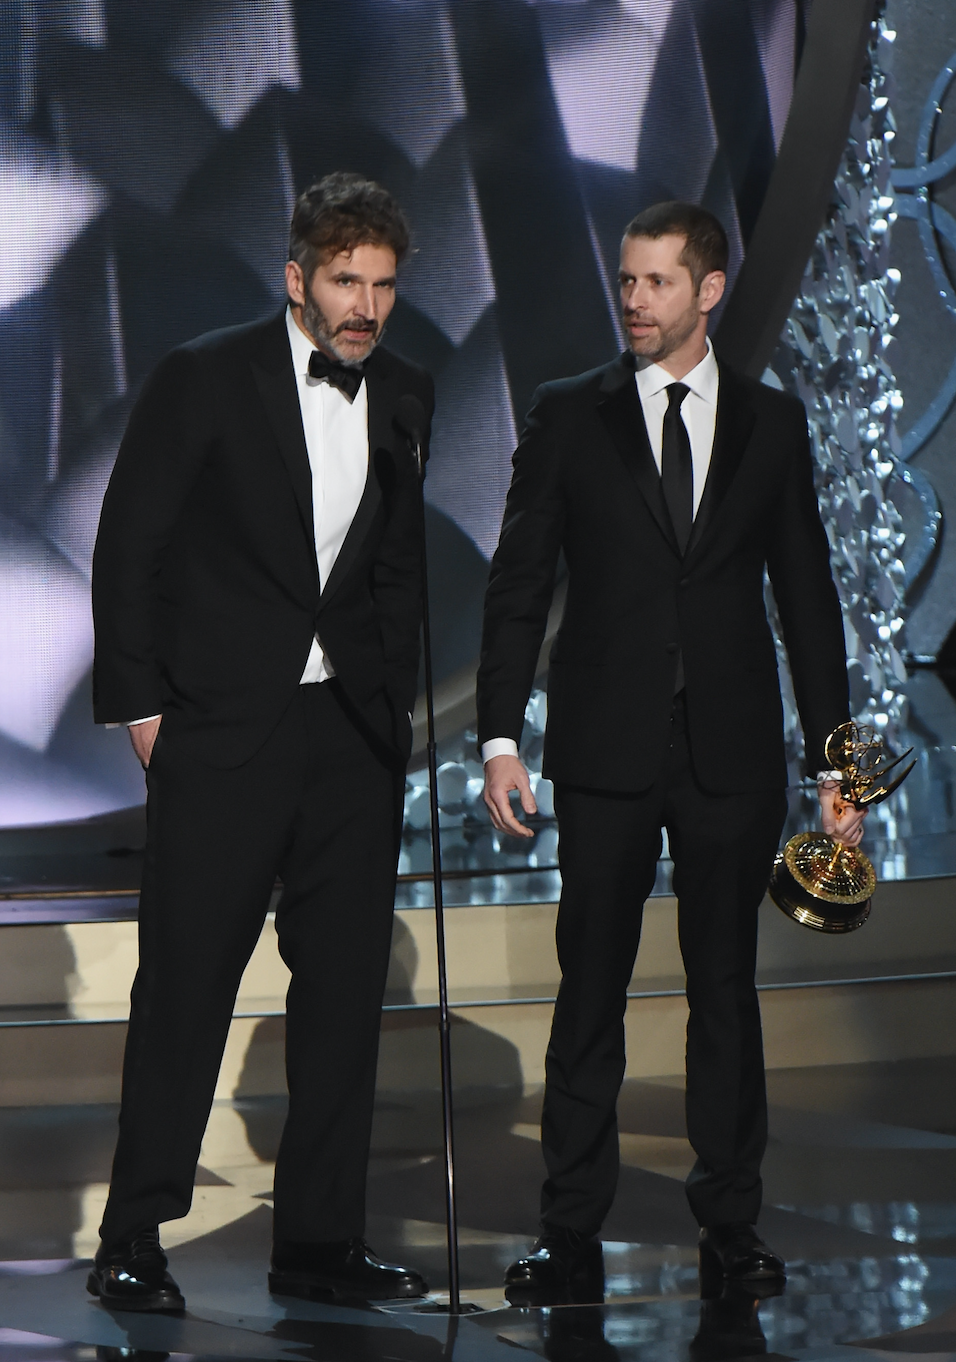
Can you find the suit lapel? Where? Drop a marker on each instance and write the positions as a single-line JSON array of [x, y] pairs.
[[275, 380], [379, 439], [623, 416], [735, 422]]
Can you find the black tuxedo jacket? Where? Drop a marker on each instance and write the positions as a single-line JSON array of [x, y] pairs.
[[585, 483], [206, 593]]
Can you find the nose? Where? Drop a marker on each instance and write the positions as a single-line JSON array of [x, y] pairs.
[[633, 296], [365, 304]]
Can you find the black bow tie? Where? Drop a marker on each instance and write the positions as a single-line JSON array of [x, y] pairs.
[[346, 377]]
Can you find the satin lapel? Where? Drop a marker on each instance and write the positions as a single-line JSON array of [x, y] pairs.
[[379, 438], [621, 411], [275, 381], [735, 423]]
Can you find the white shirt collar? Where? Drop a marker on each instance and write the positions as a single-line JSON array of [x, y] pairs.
[[302, 346], [702, 379]]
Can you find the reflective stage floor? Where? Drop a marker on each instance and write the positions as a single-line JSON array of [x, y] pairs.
[[860, 1191]]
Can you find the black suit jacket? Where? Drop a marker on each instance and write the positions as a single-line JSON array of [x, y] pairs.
[[585, 483], [205, 585]]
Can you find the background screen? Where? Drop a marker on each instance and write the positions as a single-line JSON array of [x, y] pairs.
[[150, 153]]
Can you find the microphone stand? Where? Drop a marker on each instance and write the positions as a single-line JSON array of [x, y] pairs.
[[444, 1016]]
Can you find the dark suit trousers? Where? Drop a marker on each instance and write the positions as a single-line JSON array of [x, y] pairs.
[[317, 806], [723, 848]]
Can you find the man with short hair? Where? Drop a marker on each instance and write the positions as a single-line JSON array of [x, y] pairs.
[[670, 483], [257, 602]]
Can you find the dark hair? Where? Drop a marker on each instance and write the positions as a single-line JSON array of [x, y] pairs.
[[341, 212], [705, 241]]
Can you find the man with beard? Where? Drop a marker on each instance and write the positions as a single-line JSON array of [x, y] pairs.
[[670, 483], [257, 601]]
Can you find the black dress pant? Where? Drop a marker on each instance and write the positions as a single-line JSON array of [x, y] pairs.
[[723, 848], [319, 807]]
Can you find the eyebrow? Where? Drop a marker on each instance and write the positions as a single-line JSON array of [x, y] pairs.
[[350, 278]]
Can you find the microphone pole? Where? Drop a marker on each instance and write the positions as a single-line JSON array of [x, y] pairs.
[[410, 418]]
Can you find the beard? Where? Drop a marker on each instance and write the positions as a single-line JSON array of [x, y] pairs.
[[667, 339], [324, 333]]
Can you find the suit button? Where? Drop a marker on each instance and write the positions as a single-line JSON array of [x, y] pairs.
[[671, 648]]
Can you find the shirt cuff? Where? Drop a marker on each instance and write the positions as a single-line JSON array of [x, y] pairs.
[[498, 747], [134, 723], [829, 775]]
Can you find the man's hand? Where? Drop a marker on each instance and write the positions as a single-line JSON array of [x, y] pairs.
[[142, 736], [841, 820], [502, 775]]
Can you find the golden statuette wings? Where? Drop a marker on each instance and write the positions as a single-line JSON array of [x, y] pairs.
[[816, 880]]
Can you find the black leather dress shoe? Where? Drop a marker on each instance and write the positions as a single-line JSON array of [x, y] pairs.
[[344, 1270], [736, 1253], [131, 1275], [563, 1268]]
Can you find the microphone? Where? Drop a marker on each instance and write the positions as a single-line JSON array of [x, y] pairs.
[[410, 419]]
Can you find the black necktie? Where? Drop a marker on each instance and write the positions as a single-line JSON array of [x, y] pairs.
[[677, 467], [346, 377]]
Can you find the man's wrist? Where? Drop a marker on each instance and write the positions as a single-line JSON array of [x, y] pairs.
[[134, 723], [498, 747]]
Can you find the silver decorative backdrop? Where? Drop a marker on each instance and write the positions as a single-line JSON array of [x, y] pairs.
[[836, 355]]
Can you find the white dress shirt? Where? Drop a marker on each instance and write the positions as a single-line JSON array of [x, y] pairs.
[[336, 438], [699, 414]]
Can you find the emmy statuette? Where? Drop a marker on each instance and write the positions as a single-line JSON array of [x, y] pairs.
[[816, 880]]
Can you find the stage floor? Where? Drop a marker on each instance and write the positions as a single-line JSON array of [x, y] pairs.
[[860, 1190]]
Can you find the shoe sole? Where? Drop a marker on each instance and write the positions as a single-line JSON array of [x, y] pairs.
[[305, 1289], [528, 1299], [581, 1288], [713, 1275], [764, 1288], [162, 1302]]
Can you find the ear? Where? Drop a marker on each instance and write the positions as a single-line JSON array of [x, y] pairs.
[[712, 290], [295, 282]]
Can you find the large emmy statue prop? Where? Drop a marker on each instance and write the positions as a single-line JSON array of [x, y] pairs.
[[816, 880]]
